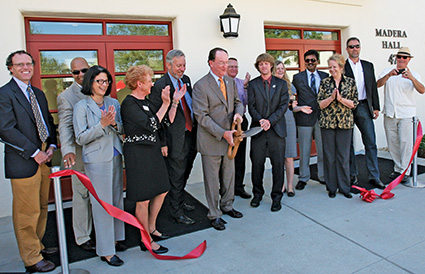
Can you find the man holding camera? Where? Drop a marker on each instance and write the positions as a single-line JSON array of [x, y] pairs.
[[399, 109]]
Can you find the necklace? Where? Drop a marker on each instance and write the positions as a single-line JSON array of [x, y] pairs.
[[99, 104]]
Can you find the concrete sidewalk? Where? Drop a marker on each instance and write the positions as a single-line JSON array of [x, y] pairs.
[[311, 234]]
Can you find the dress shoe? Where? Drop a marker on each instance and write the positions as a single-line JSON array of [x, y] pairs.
[[353, 179], [233, 213], [291, 193], [243, 194], [322, 182], [49, 251], [394, 175], [161, 249], [255, 202], [184, 220], [276, 206], [405, 179], [218, 224], [42, 266], [114, 261], [377, 183], [88, 246], [300, 185], [348, 195], [119, 246], [188, 207], [331, 194], [163, 236]]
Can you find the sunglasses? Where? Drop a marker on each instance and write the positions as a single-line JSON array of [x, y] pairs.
[[310, 60], [401, 56], [354, 46], [76, 72], [101, 82]]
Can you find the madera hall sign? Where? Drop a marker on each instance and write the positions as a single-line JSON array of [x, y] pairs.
[[390, 33]]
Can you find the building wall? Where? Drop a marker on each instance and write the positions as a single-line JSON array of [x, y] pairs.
[[196, 30]]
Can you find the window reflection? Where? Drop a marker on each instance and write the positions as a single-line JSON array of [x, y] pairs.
[[137, 29], [324, 56], [289, 58], [321, 35], [282, 33], [65, 28], [58, 62], [124, 59]]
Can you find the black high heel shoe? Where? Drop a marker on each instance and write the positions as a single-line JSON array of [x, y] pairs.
[[163, 236], [160, 250]]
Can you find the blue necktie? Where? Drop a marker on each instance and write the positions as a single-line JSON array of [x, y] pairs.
[[313, 83]]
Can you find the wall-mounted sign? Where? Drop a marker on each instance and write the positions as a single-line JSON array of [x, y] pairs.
[[390, 33]]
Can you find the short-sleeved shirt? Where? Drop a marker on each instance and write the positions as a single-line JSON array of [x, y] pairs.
[[399, 99]]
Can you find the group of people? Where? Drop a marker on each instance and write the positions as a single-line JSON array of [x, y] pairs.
[[159, 128]]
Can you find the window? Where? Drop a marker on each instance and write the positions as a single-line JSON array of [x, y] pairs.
[[289, 44], [113, 44]]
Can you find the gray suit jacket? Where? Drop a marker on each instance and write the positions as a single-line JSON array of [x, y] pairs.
[[214, 114], [98, 143], [66, 102]]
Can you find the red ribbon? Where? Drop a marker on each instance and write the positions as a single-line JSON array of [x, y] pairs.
[[370, 195], [128, 218]]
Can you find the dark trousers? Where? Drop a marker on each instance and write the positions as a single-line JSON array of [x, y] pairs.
[[269, 144], [364, 123], [177, 168], [240, 159], [336, 158]]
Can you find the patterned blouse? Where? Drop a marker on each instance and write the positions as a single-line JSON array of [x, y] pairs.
[[337, 115]]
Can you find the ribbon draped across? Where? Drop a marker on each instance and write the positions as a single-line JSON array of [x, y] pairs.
[[370, 195], [128, 218]]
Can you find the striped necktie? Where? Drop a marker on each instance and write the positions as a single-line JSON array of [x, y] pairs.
[[42, 131]]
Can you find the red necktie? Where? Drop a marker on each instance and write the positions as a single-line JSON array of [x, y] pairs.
[[186, 111]]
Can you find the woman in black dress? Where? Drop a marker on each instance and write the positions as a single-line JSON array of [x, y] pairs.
[[147, 176]]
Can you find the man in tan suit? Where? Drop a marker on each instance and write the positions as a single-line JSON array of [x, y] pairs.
[[216, 105], [71, 152]]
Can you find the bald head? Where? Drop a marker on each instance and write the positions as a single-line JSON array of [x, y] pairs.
[[77, 64]]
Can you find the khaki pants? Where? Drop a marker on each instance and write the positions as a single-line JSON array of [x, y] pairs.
[[30, 198]]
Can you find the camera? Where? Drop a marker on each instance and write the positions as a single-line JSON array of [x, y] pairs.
[[400, 71]]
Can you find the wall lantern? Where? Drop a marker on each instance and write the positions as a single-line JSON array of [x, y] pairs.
[[229, 22]]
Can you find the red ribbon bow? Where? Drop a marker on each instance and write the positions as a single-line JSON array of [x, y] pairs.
[[128, 218], [370, 195]]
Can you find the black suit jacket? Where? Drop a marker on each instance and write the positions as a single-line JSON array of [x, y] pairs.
[[370, 84], [257, 103], [18, 127], [172, 135], [306, 97]]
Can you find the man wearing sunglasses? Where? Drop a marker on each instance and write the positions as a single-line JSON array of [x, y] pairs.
[[366, 111], [399, 108], [72, 157], [307, 83]]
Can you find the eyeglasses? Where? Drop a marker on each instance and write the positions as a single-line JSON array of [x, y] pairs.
[[101, 82], [21, 65], [76, 72], [354, 46], [401, 56], [310, 60]]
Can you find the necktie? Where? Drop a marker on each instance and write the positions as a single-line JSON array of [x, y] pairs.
[[42, 131], [267, 90], [186, 111], [313, 83], [223, 88]]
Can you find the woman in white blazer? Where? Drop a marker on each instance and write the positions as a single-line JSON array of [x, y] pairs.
[[98, 129]]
